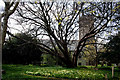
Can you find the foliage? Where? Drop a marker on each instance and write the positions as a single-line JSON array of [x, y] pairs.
[[48, 60], [113, 49], [16, 51], [90, 54], [37, 72], [67, 73]]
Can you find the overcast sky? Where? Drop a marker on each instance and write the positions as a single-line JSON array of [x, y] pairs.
[[1, 5]]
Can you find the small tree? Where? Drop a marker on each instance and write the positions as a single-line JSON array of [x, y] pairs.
[[17, 51], [112, 54]]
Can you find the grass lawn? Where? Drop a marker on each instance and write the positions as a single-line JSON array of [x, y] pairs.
[[18, 72]]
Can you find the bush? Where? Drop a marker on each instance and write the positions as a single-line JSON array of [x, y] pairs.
[[83, 67], [17, 51], [104, 68]]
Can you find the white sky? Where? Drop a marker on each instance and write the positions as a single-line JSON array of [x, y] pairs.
[[1, 5]]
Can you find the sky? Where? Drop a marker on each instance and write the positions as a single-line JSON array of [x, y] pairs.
[[1, 5]]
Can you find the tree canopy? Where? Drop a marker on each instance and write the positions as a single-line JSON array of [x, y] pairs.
[[112, 54], [16, 51]]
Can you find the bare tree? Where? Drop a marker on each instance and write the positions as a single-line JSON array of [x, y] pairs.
[[10, 7], [59, 23]]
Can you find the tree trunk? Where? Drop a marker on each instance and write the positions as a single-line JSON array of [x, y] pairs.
[[96, 61], [75, 60], [96, 64], [0, 47], [68, 62], [5, 21], [7, 13]]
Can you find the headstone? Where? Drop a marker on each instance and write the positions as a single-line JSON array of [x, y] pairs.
[[115, 65]]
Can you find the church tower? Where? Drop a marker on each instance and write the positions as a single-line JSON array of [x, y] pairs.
[[86, 23]]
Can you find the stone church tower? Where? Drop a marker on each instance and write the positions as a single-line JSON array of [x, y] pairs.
[[86, 23]]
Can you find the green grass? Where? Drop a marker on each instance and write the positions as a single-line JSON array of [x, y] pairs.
[[43, 73]]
